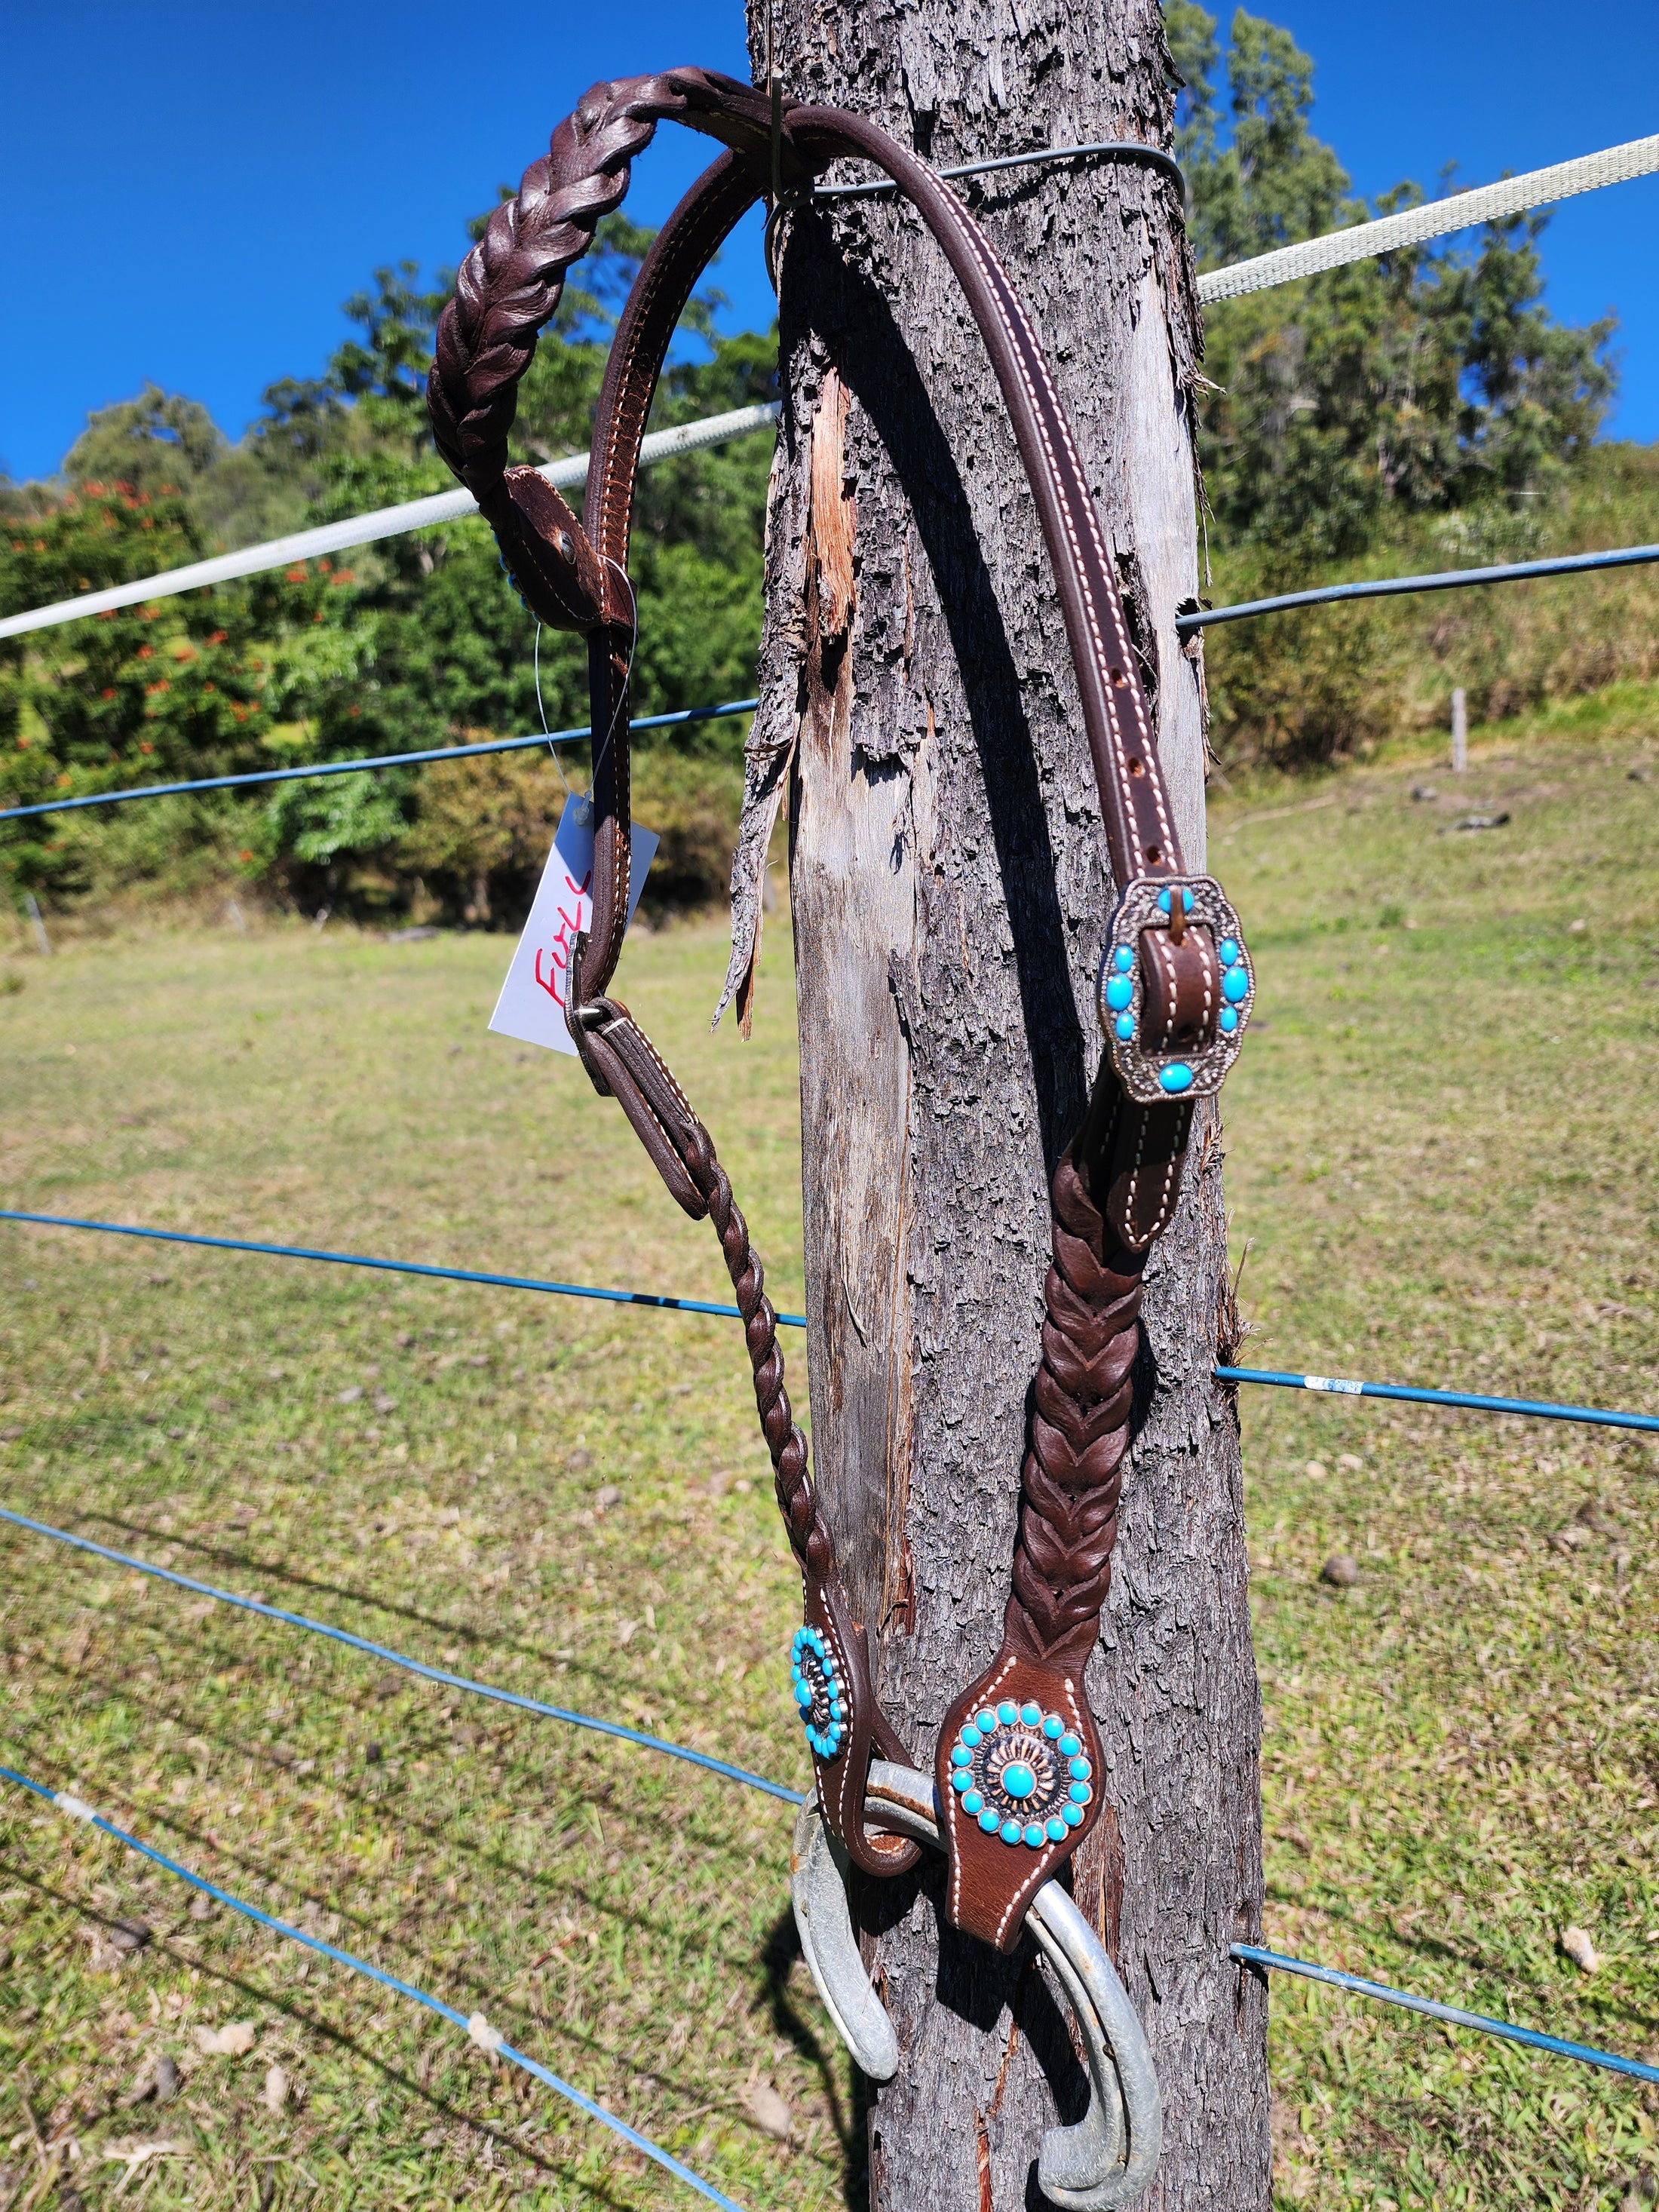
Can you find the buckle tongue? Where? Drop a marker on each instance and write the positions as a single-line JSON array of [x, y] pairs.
[[1149, 1075]]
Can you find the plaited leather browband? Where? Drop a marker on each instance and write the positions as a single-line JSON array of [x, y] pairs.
[[1018, 1752]]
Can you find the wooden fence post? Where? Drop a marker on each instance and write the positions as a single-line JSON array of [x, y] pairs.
[[949, 900]]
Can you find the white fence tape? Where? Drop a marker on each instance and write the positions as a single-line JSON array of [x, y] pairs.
[[365, 529], [1616, 165]]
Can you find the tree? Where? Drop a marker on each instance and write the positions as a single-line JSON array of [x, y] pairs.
[[950, 901], [1429, 379]]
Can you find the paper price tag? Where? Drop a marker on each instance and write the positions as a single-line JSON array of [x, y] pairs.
[[532, 1006]]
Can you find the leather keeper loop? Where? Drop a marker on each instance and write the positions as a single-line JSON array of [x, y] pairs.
[[547, 553]]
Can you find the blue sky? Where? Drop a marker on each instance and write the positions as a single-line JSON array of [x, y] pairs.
[[187, 192]]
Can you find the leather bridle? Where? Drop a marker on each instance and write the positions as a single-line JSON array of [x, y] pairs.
[[1017, 1756]]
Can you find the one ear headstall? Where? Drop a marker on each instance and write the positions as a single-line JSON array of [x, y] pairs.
[[1017, 1767]]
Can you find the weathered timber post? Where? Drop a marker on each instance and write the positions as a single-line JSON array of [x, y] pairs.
[[949, 899]]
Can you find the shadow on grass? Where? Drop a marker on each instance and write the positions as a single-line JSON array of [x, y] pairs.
[[440, 2107]]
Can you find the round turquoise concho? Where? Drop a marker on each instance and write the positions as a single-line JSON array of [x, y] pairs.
[[816, 1685], [1022, 1774]]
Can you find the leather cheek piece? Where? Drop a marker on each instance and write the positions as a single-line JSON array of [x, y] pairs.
[[841, 1779], [1143, 1180], [548, 553], [1183, 990]]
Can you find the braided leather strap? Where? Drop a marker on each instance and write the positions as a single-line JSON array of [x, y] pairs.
[[1080, 1432], [632, 1070], [1028, 1715]]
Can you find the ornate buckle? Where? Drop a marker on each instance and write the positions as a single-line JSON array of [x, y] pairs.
[[1153, 1078]]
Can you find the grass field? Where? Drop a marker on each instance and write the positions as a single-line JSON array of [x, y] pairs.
[[1443, 1155]]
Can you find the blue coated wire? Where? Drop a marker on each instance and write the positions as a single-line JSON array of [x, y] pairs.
[[410, 1666], [1447, 579], [594, 2111], [1537, 1409], [378, 760], [398, 1266], [1586, 2053]]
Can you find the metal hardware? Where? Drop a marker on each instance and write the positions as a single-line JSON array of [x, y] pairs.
[[1108, 2158], [1151, 1077]]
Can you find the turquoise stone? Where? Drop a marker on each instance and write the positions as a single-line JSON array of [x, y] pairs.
[[1073, 1815], [834, 1709], [1056, 1832], [1119, 992], [1034, 1836], [1017, 1778], [1053, 1726], [1007, 1712], [1236, 985], [1177, 1077], [1123, 959], [962, 1779], [1228, 949], [1164, 902], [1079, 1793], [803, 1697], [1031, 1715], [985, 1721], [1011, 1832], [970, 1735], [1080, 1770], [972, 1801], [1228, 1020], [960, 1754], [1125, 1026], [988, 1822], [1070, 1746]]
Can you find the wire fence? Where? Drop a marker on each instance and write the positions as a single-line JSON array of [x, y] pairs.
[[1445, 579], [443, 1675], [475, 2026], [1396, 232], [1247, 1954], [478, 2027], [1538, 1409], [1587, 2054], [677, 718]]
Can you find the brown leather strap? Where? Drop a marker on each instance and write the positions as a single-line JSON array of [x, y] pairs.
[[1115, 1190]]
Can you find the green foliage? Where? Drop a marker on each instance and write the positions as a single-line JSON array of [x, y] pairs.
[[1346, 412], [413, 644], [1429, 379]]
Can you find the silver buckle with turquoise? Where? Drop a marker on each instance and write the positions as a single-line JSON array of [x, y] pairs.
[[1146, 917], [821, 1697]]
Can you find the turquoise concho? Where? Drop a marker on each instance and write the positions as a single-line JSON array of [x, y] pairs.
[[1151, 1077], [819, 1693], [1022, 1774]]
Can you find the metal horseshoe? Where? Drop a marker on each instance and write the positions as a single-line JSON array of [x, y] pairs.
[[1087, 2167]]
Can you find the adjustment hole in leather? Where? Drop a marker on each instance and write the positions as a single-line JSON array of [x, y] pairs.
[[1155, 856], [1117, 676], [1137, 767]]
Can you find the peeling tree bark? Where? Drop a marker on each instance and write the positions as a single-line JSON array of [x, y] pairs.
[[950, 897]]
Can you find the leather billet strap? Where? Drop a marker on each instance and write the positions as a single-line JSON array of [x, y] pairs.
[[1021, 1743]]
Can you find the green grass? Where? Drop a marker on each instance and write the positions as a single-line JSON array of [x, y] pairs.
[[1442, 1154]]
